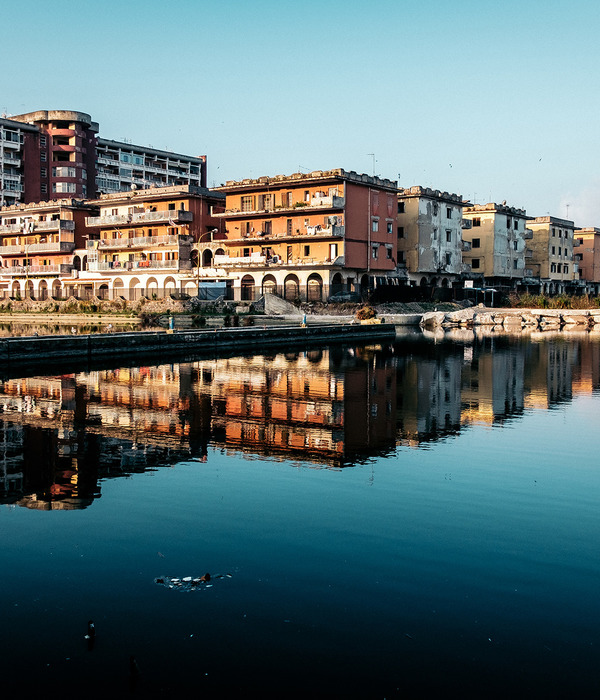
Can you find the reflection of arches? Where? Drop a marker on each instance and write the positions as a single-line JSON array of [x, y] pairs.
[[291, 288], [314, 288], [103, 291], [247, 288], [269, 285], [56, 289], [207, 257], [43, 291], [314, 355], [423, 281]]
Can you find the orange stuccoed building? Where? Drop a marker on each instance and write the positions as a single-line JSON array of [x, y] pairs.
[[309, 236]]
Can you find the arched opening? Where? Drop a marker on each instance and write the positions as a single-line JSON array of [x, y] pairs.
[[135, 290], [152, 288], [84, 263], [170, 286], [118, 288], [314, 288], [76, 262], [423, 282], [269, 285], [190, 288], [103, 291], [219, 251], [207, 257], [194, 257], [337, 284], [291, 288], [43, 291], [247, 288], [15, 290], [444, 282], [29, 289], [56, 290]]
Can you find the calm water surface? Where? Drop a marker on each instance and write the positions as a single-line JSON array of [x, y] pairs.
[[413, 519]]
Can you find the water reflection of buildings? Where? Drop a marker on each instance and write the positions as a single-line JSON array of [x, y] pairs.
[[61, 436]]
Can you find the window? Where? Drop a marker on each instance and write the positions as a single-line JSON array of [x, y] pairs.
[[448, 236], [390, 227], [515, 245], [375, 225], [306, 251], [514, 264], [374, 252], [475, 263], [247, 203], [401, 257], [43, 156], [477, 221], [448, 212], [267, 228], [553, 250], [400, 207], [559, 252], [565, 269], [553, 267], [516, 224], [508, 222], [246, 253], [306, 196], [63, 187], [558, 267], [553, 233], [476, 243], [448, 258], [288, 227], [435, 234], [400, 231], [388, 252], [44, 172], [171, 206], [44, 188], [43, 140], [559, 233], [125, 158], [436, 208]]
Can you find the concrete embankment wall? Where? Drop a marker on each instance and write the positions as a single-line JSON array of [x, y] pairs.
[[73, 350], [514, 319]]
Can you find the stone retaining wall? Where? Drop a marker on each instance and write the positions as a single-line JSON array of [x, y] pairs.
[[513, 319]]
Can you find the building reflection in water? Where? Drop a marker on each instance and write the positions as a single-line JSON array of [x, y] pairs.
[[61, 436]]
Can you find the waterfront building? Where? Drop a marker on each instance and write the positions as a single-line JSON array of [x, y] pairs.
[[587, 257], [429, 231], [42, 247], [307, 236], [153, 242], [19, 144], [57, 153], [550, 254], [497, 243]]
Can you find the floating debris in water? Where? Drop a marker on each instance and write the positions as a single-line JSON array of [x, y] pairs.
[[189, 583]]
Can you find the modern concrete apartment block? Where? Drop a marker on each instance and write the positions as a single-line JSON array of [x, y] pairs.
[[429, 233], [497, 239], [310, 235], [53, 154]]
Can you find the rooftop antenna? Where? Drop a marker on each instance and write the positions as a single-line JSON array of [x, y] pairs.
[[374, 161]]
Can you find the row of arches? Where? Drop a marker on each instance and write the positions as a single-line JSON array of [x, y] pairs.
[[291, 290]]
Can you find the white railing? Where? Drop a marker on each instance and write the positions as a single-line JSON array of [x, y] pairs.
[[318, 230], [145, 242], [118, 266], [35, 270], [140, 217], [224, 260]]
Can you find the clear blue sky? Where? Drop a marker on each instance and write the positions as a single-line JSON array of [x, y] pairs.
[[492, 100]]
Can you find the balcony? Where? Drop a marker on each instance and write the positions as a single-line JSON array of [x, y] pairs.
[[317, 230], [28, 249], [11, 143], [53, 225], [145, 242], [243, 261], [332, 202], [117, 266], [9, 159], [145, 217], [29, 270]]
